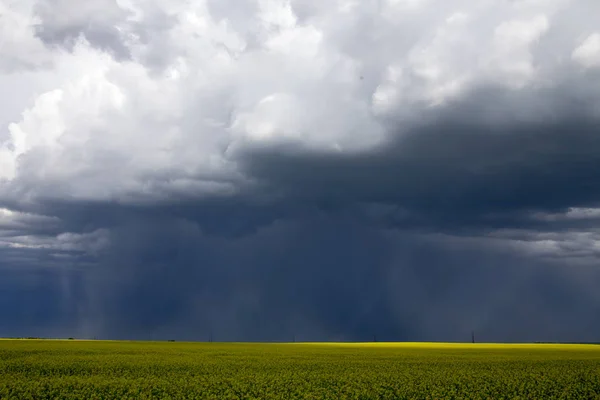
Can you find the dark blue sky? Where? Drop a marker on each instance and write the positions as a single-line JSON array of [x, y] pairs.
[[270, 170]]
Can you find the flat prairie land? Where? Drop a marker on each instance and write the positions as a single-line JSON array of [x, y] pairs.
[[72, 369]]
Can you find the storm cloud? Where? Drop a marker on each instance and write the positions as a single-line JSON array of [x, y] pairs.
[[270, 170]]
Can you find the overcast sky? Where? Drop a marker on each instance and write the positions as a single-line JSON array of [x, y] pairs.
[[329, 170]]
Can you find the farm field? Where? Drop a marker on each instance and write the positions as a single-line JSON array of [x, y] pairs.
[[53, 369]]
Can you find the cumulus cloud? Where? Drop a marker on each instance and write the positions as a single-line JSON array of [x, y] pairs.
[[588, 53], [225, 85], [146, 143]]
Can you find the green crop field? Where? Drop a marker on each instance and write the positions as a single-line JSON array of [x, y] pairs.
[[47, 369]]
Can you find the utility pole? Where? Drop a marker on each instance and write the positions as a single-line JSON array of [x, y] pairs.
[[472, 336]]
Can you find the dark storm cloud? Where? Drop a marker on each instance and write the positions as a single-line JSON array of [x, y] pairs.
[[312, 170], [252, 287], [39, 302], [451, 173], [345, 247], [331, 278], [333, 251], [456, 167]]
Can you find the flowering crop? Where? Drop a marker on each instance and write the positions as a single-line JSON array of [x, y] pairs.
[[45, 369]]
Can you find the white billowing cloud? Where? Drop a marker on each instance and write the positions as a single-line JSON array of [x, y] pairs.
[[512, 48], [61, 15], [588, 53], [19, 47], [135, 100]]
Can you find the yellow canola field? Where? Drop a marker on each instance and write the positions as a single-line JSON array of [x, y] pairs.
[[72, 369]]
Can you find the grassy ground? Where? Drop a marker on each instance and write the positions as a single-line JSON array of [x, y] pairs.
[[47, 369]]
